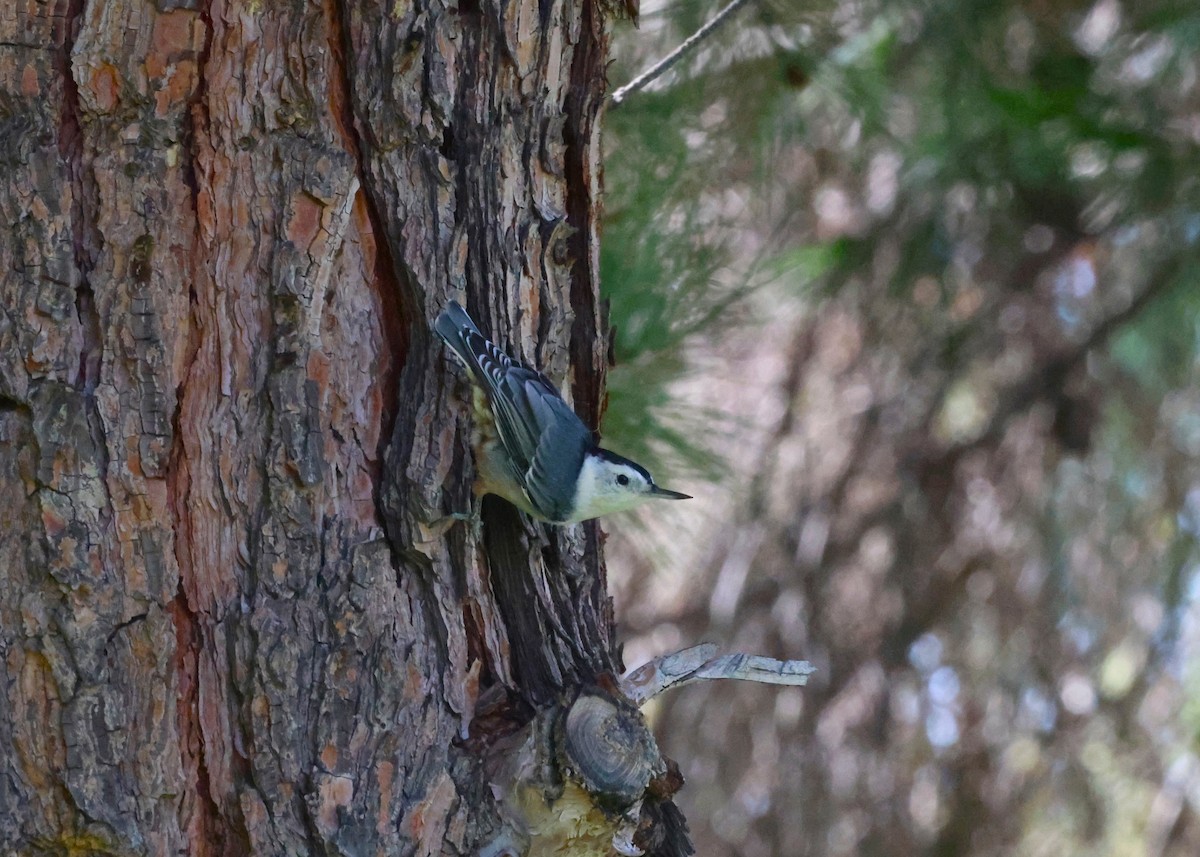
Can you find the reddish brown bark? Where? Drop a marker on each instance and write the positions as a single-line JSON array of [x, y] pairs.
[[227, 623]]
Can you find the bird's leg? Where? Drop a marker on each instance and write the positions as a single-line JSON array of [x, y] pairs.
[[472, 518]]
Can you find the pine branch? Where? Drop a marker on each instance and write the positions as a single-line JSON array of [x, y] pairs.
[[689, 44]]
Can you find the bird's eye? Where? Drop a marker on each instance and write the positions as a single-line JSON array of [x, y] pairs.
[[622, 479]]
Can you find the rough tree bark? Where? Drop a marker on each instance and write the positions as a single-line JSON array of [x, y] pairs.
[[227, 623]]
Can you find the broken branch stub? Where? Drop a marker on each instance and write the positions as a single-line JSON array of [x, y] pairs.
[[605, 744], [585, 778]]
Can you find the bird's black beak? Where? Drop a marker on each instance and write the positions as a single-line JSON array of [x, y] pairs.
[[655, 491]]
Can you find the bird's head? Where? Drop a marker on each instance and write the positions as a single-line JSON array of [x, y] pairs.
[[610, 483]]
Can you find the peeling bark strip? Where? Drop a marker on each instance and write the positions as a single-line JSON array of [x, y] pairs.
[[226, 624]]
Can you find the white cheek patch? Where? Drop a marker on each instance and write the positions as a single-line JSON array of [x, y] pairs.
[[598, 492]]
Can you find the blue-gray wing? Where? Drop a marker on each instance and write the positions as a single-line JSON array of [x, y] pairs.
[[545, 441], [561, 448], [542, 435]]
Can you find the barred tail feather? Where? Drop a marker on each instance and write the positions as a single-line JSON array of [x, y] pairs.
[[453, 325]]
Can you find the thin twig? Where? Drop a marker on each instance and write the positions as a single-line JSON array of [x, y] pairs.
[[656, 70]]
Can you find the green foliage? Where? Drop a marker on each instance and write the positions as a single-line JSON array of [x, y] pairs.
[[1160, 347], [986, 185]]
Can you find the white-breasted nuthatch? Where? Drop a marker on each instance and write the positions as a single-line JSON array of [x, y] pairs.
[[530, 447]]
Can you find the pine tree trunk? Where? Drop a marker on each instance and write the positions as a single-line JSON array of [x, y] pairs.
[[229, 623]]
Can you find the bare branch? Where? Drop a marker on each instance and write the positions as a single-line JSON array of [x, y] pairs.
[[689, 44], [699, 663]]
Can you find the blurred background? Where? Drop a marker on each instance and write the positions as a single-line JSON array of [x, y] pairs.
[[907, 294]]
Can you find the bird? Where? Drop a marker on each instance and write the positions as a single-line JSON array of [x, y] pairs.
[[530, 446]]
